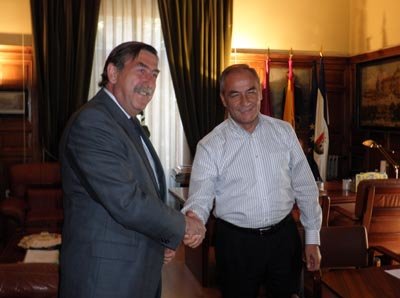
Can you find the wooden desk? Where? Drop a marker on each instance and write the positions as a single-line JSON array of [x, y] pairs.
[[179, 193], [371, 282], [338, 196]]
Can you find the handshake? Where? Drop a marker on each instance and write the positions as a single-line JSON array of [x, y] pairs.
[[194, 231]]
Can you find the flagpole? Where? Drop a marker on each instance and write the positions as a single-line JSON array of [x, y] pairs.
[[321, 131], [265, 106], [288, 110]]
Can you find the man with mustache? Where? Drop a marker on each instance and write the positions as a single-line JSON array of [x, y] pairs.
[[252, 170], [117, 229]]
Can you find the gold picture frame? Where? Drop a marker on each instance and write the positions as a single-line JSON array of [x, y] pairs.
[[12, 102]]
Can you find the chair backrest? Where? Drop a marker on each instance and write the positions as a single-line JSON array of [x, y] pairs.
[[325, 203], [344, 246], [31, 175], [362, 193], [341, 247], [381, 215]]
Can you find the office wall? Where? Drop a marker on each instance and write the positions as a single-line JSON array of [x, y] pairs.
[[301, 25], [342, 27], [15, 17], [374, 25], [15, 22]]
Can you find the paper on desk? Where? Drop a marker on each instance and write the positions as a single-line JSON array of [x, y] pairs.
[[41, 256], [394, 272]]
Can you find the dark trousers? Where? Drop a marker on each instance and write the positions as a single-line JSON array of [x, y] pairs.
[[246, 260]]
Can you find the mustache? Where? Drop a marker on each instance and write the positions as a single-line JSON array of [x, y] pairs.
[[143, 90]]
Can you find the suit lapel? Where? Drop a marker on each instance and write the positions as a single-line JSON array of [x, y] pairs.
[[134, 136], [157, 163]]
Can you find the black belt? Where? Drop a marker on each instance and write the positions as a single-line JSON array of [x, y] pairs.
[[260, 231]]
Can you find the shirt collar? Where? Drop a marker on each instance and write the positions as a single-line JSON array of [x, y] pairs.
[[116, 102], [236, 127]]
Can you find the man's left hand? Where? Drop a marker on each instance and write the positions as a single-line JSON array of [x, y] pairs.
[[169, 254], [313, 257]]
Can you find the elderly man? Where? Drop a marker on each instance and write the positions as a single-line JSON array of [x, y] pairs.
[[252, 168]]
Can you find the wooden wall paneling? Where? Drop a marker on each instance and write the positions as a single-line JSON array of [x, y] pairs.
[[18, 132], [339, 103]]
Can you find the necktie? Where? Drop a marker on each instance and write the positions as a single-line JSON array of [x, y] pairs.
[[157, 170]]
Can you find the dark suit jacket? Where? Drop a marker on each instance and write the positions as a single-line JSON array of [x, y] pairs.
[[116, 223]]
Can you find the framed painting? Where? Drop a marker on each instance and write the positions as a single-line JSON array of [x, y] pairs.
[[378, 93], [12, 102]]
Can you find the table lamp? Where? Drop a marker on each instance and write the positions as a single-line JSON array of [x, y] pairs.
[[373, 144]]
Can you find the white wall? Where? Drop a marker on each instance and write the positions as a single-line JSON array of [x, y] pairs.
[[301, 25], [15, 17], [341, 27], [15, 22], [374, 24]]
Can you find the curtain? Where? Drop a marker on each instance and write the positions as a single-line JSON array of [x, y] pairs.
[[198, 41], [64, 33], [125, 20]]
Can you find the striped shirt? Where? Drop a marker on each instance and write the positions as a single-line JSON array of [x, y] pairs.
[[255, 178]]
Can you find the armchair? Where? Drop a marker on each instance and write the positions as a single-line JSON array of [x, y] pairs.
[[377, 207], [343, 248], [35, 201], [29, 280]]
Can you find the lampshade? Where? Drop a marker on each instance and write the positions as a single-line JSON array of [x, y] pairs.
[[372, 144]]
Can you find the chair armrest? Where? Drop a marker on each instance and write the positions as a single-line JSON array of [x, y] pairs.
[[14, 208], [373, 250], [344, 212]]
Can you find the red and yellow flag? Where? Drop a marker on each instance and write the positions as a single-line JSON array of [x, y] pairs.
[[266, 107], [288, 111]]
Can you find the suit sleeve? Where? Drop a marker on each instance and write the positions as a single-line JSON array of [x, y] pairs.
[[117, 178]]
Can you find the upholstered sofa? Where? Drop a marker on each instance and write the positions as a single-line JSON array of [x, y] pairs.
[[35, 201], [29, 280]]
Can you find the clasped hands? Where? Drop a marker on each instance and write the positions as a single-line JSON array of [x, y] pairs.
[[195, 230]]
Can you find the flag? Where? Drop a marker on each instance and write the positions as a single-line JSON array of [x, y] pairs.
[[313, 105], [321, 133], [266, 107], [288, 111]]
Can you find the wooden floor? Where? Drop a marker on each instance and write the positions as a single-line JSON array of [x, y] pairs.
[[179, 282]]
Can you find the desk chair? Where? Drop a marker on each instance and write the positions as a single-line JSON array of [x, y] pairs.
[[343, 247], [325, 203], [377, 207]]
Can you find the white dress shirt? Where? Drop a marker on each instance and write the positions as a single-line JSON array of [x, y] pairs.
[[255, 178]]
